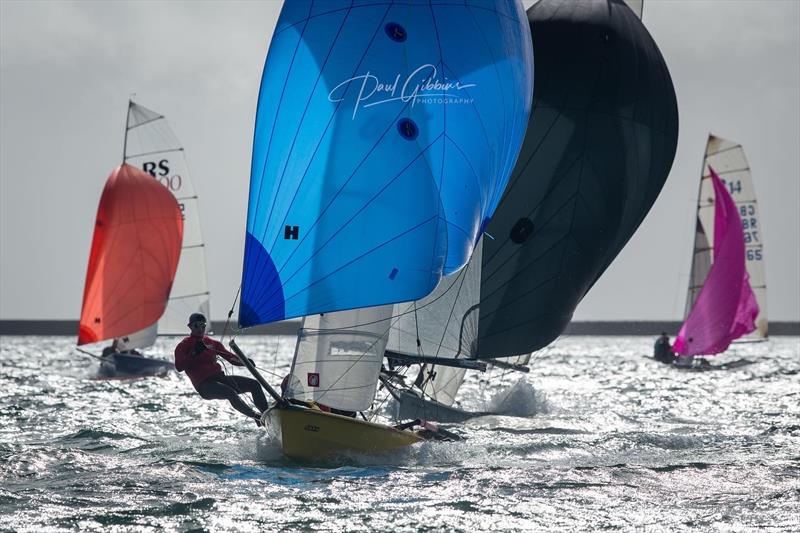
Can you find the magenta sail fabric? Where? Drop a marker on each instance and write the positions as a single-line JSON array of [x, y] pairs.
[[726, 308]]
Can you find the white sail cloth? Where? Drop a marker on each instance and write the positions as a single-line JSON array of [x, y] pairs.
[[338, 358]]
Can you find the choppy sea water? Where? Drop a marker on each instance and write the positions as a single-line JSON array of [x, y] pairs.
[[603, 438]]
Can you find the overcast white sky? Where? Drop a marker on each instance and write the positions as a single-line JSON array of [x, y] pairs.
[[68, 68]]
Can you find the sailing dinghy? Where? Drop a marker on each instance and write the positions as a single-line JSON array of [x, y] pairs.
[[132, 264], [385, 135], [726, 300], [151, 147], [598, 149]]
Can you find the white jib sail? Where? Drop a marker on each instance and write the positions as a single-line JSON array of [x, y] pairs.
[[338, 358], [151, 146], [728, 160]]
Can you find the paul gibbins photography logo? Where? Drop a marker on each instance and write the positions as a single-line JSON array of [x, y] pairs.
[[422, 86]]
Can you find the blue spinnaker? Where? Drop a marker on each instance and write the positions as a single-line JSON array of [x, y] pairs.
[[385, 135]]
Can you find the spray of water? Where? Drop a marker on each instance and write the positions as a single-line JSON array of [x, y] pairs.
[[520, 399]]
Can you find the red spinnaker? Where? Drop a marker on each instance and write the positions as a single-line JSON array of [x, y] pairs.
[[135, 250]]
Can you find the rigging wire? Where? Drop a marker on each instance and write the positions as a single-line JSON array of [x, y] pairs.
[[230, 313]]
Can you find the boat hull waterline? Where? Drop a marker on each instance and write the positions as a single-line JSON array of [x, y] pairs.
[[409, 406], [129, 365], [314, 434]]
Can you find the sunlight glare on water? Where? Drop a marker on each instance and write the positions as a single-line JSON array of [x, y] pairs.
[[597, 435]]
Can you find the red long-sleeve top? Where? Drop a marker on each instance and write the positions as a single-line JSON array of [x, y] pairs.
[[200, 366]]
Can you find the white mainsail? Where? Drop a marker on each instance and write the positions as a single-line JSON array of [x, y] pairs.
[[338, 358], [151, 145], [728, 160]]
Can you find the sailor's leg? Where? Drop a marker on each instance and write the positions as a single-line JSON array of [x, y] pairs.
[[244, 384], [212, 389]]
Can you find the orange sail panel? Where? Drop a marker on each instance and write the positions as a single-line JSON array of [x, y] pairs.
[[135, 250]]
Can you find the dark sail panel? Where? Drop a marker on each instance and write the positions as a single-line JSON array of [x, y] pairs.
[[599, 146]]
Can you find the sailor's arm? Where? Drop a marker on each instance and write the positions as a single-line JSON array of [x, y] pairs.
[[220, 350]]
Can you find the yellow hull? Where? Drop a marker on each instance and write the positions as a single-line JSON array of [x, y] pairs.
[[314, 434]]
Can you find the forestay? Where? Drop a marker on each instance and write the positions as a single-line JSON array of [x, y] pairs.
[[444, 325], [385, 134], [728, 159], [151, 146]]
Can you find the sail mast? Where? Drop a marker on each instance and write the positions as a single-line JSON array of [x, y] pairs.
[[127, 126]]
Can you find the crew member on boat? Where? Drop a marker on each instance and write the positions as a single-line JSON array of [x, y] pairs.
[[108, 351], [197, 356], [662, 351]]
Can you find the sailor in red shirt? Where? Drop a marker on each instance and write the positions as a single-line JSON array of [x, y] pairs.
[[197, 356]]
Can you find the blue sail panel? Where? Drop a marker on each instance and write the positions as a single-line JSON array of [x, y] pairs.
[[384, 137]]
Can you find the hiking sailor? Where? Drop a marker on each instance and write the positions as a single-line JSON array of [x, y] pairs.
[[108, 351], [197, 356]]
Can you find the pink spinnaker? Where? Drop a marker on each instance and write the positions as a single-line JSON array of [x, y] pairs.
[[726, 307]]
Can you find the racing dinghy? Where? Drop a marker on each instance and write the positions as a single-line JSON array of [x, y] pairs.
[[385, 135], [726, 300], [150, 150]]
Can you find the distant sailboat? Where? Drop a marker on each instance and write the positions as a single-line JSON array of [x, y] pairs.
[[727, 294], [132, 264], [385, 135], [598, 149], [151, 146], [729, 161]]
